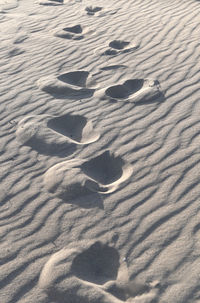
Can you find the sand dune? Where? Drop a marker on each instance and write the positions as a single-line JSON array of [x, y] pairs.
[[99, 156]]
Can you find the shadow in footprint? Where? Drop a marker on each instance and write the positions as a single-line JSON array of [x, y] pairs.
[[104, 169], [137, 91], [71, 33], [125, 90], [77, 78], [92, 10], [110, 52], [105, 173], [71, 85], [118, 44], [69, 126], [117, 47], [77, 29], [75, 127], [98, 264]]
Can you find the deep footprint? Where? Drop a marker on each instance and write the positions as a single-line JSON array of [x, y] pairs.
[[117, 47], [118, 44], [91, 272], [77, 78], [98, 264], [79, 178], [76, 274], [75, 127], [125, 90], [92, 10], [73, 33], [77, 29], [104, 169], [58, 136], [134, 90], [71, 85]]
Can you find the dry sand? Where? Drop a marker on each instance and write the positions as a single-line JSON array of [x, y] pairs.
[[100, 151]]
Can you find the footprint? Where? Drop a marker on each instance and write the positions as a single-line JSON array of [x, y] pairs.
[[71, 85], [118, 44], [51, 2], [123, 91], [73, 33], [92, 10], [117, 47], [76, 273], [138, 91], [90, 273], [75, 127], [99, 11], [58, 136], [80, 178], [105, 169], [77, 78], [97, 264]]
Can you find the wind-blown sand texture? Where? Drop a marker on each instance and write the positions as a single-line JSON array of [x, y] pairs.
[[100, 151]]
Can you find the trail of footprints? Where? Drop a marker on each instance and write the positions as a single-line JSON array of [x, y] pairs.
[[93, 271], [80, 84]]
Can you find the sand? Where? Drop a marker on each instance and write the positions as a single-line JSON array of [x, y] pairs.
[[100, 151]]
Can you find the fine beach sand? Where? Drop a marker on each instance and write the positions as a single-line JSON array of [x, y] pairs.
[[100, 151]]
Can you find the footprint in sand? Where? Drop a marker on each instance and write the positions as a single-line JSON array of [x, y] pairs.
[[51, 2], [58, 136], [99, 11], [117, 47], [90, 273], [80, 178], [138, 91], [72, 85], [74, 32], [92, 10]]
